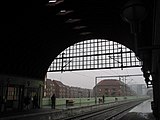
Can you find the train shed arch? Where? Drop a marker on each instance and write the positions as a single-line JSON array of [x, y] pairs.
[[95, 54]]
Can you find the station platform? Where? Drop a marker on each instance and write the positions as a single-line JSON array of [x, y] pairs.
[[22, 115], [141, 112], [31, 112]]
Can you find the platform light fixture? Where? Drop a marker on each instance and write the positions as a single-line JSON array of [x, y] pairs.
[[85, 33], [72, 20], [79, 27], [134, 12], [64, 12], [54, 2]]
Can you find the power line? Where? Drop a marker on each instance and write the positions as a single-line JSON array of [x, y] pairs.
[[120, 76], [81, 75]]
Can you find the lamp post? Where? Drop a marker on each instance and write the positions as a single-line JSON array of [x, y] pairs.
[[134, 12], [80, 95]]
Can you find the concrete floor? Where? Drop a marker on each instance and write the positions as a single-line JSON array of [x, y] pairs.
[[140, 112]]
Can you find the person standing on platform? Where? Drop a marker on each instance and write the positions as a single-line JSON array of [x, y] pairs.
[[35, 101], [27, 102], [103, 99], [53, 100]]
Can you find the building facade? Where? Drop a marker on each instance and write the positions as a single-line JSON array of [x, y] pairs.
[[111, 88], [63, 91], [14, 90]]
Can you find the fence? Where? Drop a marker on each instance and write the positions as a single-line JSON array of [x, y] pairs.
[[61, 102]]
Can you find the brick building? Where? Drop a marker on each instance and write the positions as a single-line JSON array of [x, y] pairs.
[[112, 87], [64, 91], [60, 89], [49, 88], [67, 91]]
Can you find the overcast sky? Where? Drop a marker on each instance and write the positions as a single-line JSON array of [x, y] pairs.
[[86, 79]]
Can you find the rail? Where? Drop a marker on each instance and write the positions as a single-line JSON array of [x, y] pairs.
[[106, 113], [78, 112]]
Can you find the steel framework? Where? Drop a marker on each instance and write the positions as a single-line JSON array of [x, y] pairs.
[[94, 54]]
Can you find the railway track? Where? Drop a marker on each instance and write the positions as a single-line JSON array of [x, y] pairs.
[[111, 113], [107, 111]]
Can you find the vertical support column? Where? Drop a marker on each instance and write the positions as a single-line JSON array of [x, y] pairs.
[[40, 95], [121, 58], [156, 61], [1, 98], [6, 96], [20, 97], [156, 85], [62, 62]]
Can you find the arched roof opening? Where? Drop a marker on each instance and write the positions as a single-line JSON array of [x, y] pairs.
[[94, 54]]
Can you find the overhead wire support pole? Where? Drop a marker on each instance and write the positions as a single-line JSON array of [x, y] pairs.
[[95, 90], [125, 85], [62, 62], [121, 59]]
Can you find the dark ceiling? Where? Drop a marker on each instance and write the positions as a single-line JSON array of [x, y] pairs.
[[34, 32]]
